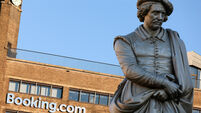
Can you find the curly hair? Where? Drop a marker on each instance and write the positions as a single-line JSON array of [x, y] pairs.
[[143, 10]]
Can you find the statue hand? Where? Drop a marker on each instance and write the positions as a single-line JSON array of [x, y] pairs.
[[170, 77], [172, 89], [160, 95]]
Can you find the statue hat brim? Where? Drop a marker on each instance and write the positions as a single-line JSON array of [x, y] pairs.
[[166, 3]]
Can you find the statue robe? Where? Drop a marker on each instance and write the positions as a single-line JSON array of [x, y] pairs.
[[135, 93]]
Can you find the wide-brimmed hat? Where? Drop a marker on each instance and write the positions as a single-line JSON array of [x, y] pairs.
[[166, 3]]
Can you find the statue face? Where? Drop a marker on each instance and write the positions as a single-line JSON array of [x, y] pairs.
[[155, 17]]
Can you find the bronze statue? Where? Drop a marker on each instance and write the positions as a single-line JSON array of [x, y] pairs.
[[154, 62]]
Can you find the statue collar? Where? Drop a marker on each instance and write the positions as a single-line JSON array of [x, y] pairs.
[[142, 33]]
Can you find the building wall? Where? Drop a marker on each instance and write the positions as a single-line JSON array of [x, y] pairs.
[[60, 76], [197, 98], [9, 27]]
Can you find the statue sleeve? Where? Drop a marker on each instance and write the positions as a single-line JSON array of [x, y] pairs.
[[132, 70]]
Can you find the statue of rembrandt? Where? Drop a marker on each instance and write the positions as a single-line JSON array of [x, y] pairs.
[[154, 62]]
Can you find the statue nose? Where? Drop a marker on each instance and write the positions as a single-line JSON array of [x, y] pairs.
[[160, 16]]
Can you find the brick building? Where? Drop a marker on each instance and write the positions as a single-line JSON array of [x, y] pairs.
[[31, 84]]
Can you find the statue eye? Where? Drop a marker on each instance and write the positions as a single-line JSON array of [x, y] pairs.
[[155, 12]]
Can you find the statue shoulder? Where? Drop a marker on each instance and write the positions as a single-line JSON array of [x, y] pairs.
[[129, 38], [173, 32]]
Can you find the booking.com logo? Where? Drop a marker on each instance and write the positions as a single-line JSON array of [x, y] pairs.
[[38, 103]]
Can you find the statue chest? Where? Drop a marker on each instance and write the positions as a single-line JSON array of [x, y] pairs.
[[153, 55]]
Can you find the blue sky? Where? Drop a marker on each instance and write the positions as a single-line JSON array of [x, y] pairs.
[[86, 28]]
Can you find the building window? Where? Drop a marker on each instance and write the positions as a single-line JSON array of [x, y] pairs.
[[84, 97], [97, 99], [74, 95], [11, 52], [45, 91], [89, 97], [14, 86], [11, 111], [196, 111], [110, 100], [56, 92], [195, 74], [103, 100], [35, 88], [193, 70], [194, 79], [92, 98], [24, 88]]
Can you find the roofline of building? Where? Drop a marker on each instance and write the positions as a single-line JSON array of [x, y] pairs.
[[194, 59], [194, 52]]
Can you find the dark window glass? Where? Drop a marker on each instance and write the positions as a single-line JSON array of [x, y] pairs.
[[111, 98], [193, 70], [84, 97], [11, 112], [97, 99], [103, 100], [198, 79], [59, 93], [92, 98], [11, 52], [38, 90], [73, 95], [15, 112], [194, 80], [195, 111]]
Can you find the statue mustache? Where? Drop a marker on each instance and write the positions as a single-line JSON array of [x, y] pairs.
[[158, 21]]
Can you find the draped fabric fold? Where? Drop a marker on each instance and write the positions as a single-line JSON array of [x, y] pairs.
[[143, 102]]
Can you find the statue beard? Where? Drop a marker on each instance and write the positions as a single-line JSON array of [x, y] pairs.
[[155, 25]]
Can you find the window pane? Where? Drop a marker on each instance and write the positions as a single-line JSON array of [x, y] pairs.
[[73, 95], [33, 89], [198, 79], [103, 100], [13, 86], [193, 70], [11, 112], [84, 97], [24, 88], [56, 92], [194, 80], [45, 91], [97, 99], [197, 83], [92, 98], [111, 98], [15, 112], [38, 90], [195, 111]]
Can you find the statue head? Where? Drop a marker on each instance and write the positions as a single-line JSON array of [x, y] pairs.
[[153, 13], [144, 7]]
